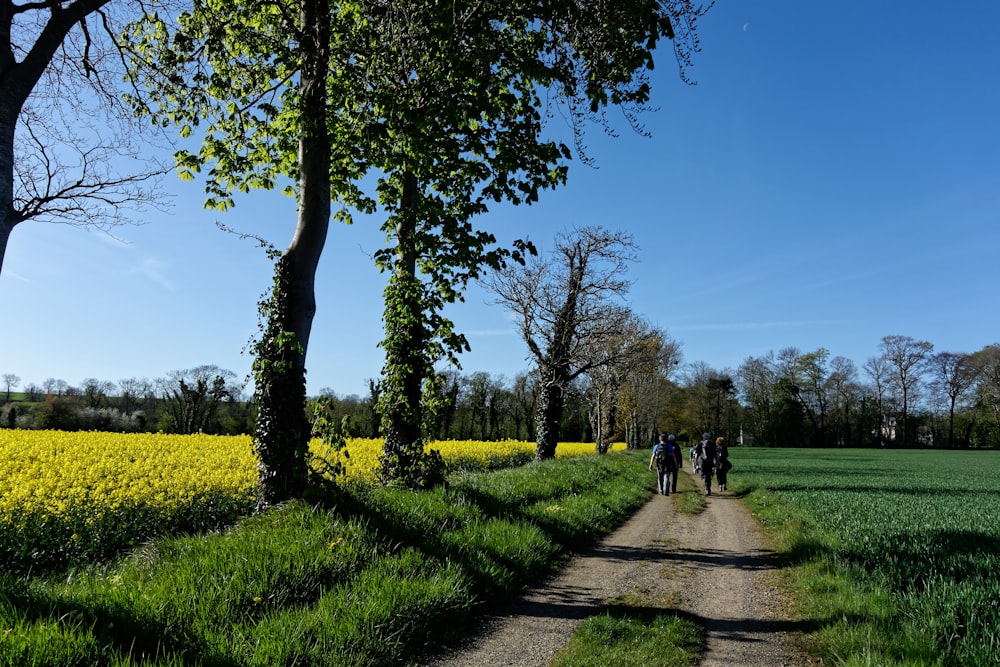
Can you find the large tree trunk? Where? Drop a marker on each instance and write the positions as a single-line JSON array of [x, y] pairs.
[[282, 431], [951, 424], [8, 217], [551, 401], [11, 101], [404, 341], [608, 425]]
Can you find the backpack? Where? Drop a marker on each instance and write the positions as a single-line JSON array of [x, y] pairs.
[[708, 451], [665, 457]]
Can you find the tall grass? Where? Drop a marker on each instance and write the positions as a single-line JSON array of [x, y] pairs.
[[895, 554], [372, 577]]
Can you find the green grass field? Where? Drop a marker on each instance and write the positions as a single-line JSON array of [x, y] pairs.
[[894, 554]]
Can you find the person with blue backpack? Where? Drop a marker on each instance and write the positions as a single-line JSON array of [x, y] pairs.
[[667, 458]]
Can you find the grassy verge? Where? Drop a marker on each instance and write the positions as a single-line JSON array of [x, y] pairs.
[[375, 577], [632, 632]]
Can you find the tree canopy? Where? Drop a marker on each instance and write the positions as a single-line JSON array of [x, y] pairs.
[[569, 308], [426, 113]]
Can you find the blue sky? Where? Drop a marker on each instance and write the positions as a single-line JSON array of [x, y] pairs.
[[833, 178]]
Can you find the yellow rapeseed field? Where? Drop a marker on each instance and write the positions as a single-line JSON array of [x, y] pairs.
[[54, 472]]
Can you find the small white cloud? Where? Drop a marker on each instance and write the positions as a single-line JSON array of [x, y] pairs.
[[16, 276], [153, 270]]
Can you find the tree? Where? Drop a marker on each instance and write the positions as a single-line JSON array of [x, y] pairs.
[[844, 396], [374, 394], [757, 379], [96, 392], [952, 375], [807, 377], [195, 396], [633, 352], [523, 406], [721, 391], [567, 308], [132, 391], [258, 75], [459, 102], [442, 102], [352, 412], [32, 392], [646, 390], [907, 358], [62, 130], [877, 369], [986, 363], [10, 380]]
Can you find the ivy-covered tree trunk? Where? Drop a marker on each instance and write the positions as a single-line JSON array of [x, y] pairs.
[[549, 412], [282, 430], [405, 365], [608, 420]]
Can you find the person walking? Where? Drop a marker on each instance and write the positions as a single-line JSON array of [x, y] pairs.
[[707, 454], [665, 457], [722, 471], [678, 459]]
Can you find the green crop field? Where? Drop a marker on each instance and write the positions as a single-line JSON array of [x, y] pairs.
[[919, 531]]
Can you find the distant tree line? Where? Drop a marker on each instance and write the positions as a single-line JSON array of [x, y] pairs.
[[205, 399], [906, 396]]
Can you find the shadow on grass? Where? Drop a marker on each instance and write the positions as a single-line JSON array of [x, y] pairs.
[[117, 633], [479, 531], [738, 629]]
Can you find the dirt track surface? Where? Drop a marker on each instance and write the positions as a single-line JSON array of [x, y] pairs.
[[714, 567]]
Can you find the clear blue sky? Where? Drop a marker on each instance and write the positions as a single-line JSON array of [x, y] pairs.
[[833, 178]]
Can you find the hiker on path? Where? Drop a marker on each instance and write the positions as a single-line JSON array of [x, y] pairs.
[[707, 454], [722, 471], [666, 456], [678, 457]]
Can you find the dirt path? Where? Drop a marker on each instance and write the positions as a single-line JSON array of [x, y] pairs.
[[713, 566]]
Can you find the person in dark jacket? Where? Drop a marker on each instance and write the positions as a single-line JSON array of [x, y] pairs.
[[678, 461], [722, 469], [707, 454]]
